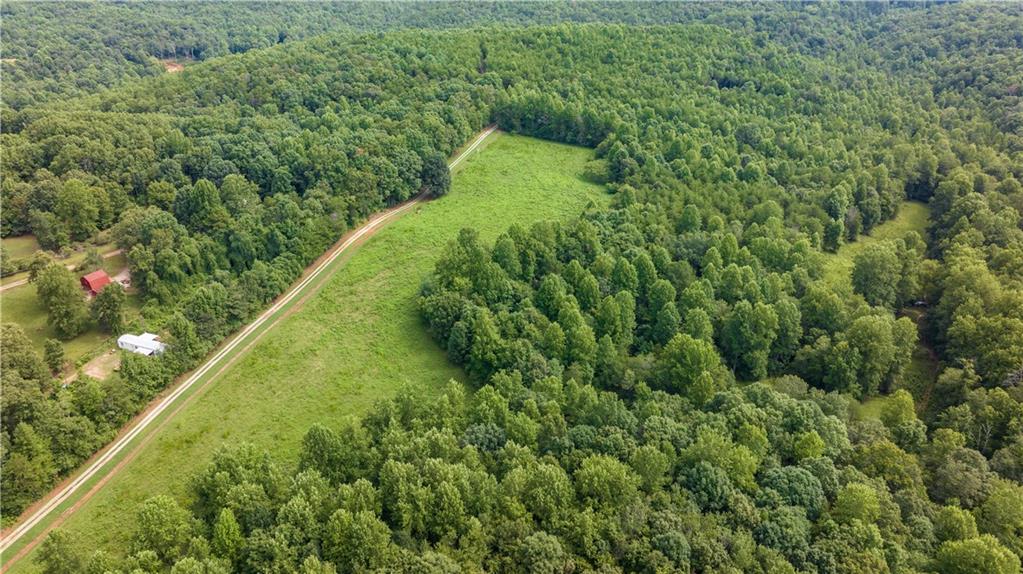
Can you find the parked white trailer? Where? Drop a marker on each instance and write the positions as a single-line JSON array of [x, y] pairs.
[[144, 344]]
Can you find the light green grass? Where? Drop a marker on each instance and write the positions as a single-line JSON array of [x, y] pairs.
[[869, 409], [113, 265], [359, 339], [920, 374], [838, 267], [27, 245], [21, 246], [21, 306]]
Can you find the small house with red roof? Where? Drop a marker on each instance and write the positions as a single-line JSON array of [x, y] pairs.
[[95, 281]]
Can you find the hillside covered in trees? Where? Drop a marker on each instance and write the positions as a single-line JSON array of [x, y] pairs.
[[666, 385], [58, 49]]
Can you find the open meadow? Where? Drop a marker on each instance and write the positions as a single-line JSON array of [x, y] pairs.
[[514, 288]]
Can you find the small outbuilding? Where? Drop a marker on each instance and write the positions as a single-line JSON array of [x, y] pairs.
[[144, 344], [95, 281]]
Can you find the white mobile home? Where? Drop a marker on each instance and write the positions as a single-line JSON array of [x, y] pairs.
[[144, 344]]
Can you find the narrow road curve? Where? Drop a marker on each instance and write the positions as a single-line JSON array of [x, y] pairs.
[[21, 282], [96, 467]]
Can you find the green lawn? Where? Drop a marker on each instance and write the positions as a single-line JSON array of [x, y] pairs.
[[26, 245], [838, 267], [356, 341], [869, 409], [20, 305], [21, 246]]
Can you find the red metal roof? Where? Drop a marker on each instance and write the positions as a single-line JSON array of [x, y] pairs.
[[95, 281]]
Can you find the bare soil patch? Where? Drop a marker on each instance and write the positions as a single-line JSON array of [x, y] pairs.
[[98, 368], [101, 367]]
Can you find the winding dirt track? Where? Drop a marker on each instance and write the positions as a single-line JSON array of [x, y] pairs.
[[177, 399]]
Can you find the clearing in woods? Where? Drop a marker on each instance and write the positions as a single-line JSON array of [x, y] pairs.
[[26, 246], [20, 246], [357, 340], [20, 305], [838, 267], [923, 369]]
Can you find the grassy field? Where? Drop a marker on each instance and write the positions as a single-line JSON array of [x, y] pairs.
[[838, 267], [20, 305], [21, 246], [923, 369], [357, 340], [26, 245]]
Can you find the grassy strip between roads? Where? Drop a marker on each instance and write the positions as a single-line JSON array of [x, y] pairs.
[[358, 339]]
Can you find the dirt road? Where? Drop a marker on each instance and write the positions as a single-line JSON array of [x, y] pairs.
[[21, 282], [97, 466]]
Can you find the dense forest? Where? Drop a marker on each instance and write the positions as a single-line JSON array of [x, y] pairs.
[[665, 385], [57, 49]]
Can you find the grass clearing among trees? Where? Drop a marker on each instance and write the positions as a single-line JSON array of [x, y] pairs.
[[25, 246], [21, 305], [21, 246], [621, 417], [838, 267], [358, 339], [923, 368]]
